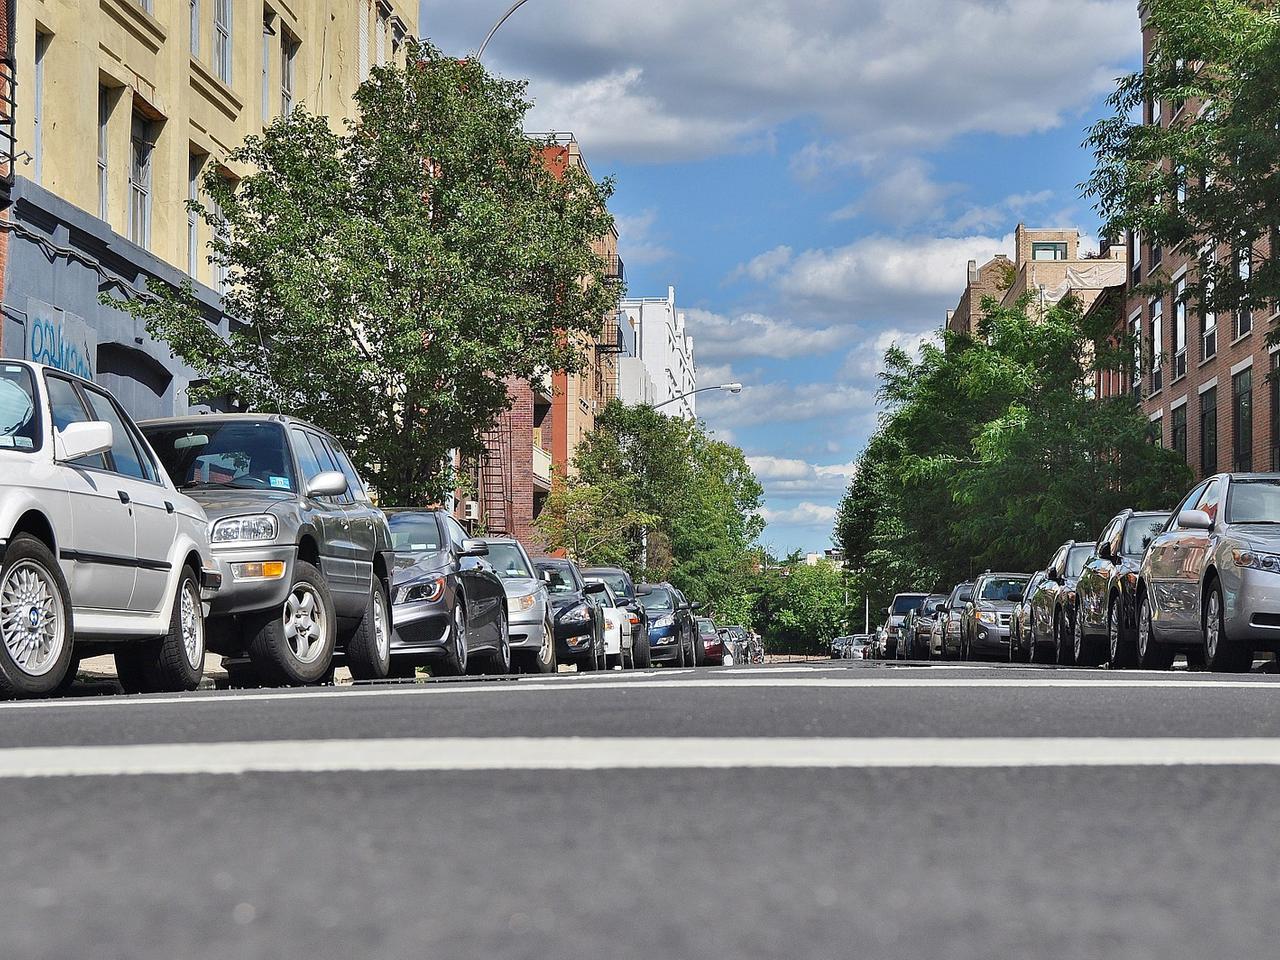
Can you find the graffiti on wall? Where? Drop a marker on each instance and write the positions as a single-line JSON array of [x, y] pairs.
[[60, 339]]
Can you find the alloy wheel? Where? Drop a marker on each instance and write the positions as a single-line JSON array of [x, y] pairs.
[[189, 614], [381, 623], [1077, 638], [1212, 626], [305, 623], [547, 650], [1113, 632], [460, 638], [32, 619], [1144, 630]]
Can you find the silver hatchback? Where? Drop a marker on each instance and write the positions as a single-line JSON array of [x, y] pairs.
[[1209, 583]]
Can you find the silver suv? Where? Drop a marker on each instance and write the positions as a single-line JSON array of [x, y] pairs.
[[306, 556]]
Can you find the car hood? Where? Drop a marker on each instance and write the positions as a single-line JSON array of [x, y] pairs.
[[416, 566], [521, 586], [219, 503], [1262, 536], [563, 601]]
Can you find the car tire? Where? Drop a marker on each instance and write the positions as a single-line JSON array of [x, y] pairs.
[[1063, 651], [300, 652], [645, 659], [1221, 655], [73, 670], [543, 660], [1151, 654], [1122, 651], [498, 663], [369, 646], [1084, 650], [178, 656], [454, 661], [30, 577], [699, 652]]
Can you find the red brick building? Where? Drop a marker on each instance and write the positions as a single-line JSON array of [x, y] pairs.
[[7, 135]]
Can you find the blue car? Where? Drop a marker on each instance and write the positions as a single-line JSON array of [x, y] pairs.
[[671, 624]]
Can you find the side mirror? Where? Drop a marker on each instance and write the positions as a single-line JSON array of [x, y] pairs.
[[644, 591], [1104, 553], [594, 589], [1015, 598], [331, 483], [696, 606], [943, 609], [77, 440], [1195, 520], [1052, 576], [472, 547]]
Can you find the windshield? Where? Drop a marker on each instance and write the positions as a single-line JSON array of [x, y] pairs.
[[1254, 501], [19, 424], [1077, 557], [660, 599], [415, 533], [236, 454], [558, 577], [1002, 588], [617, 583], [905, 604], [508, 561], [1139, 532]]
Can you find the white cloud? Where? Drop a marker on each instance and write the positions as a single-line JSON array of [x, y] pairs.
[[764, 266], [907, 195], [754, 335], [781, 402], [997, 215], [810, 515], [636, 242], [866, 360], [797, 478], [678, 80]]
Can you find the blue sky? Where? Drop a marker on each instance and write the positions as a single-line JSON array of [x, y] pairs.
[[812, 176]]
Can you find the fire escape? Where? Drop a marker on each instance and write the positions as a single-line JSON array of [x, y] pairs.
[[496, 493], [8, 111]]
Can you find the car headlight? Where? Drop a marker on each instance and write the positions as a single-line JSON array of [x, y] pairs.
[[258, 528], [517, 604], [988, 616], [663, 622], [424, 591], [579, 614], [1253, 560]]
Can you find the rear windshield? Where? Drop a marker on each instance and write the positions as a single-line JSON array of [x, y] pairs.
[[415, 533], [617, 583], [904, 605], [1254, 501], [19, 420], [1139, 532], [231, 454], [508, 561]]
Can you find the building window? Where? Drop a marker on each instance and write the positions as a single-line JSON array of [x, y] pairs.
[[1135, 258], [1209, 432], [1244, 269], [1157, 431], [1242, 421], [104, 178], [1179, 329], [267, 47], [1178, 428], [362, 40], [37, 107], [1208, 326], [221, 272], [1157, 345], [288, 71], [222, 39], [397, 39], [141, 145], [145, 5], [1273, 386], [381, 34], [1048, 251], [193, 219], [1157, 251], [195, 28]]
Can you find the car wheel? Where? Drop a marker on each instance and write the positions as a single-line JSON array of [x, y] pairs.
[[1220, 654], [454, 662], [645, 659], [1063, 651], [73, 669], [369, 646], [35, 620], [543, 660], [294, 645], [1122, 652], [699, 652], [499, 662], [1151, 654], [178, 656], [1082, 647]]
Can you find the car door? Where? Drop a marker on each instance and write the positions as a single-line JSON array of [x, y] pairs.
[[1191, 556], [1165, 568], [101, 547], [362, 520], [155, 519], [1046, 597], [1091, 587], [484, 593], [338, 554]]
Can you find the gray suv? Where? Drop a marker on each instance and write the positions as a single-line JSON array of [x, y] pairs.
[[305, 556]]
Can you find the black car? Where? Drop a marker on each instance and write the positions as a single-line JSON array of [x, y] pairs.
[[579, 619], [917, 631], [450, 607], [672, 628], [1053, 608]]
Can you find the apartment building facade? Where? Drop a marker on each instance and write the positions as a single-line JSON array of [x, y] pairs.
[[666, 349], [1047, 264], [121, 107], [1204, 378]]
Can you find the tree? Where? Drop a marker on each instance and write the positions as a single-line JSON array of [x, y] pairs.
[[1206, 179], [992, 451], [592, 522], [801, 608], [384, 279]]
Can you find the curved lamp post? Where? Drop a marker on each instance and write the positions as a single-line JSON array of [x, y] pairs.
[[503, 19], [731, 387]]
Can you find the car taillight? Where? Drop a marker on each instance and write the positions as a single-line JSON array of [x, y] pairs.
[[635, 621]]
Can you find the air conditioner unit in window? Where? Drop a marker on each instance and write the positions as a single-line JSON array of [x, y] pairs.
[[471, 511]]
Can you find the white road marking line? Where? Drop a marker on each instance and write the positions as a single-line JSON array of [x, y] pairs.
[[323, 756], [879, 682]]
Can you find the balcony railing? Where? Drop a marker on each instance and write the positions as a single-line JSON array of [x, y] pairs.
[[541, 462], [8, 108], [615, 269]]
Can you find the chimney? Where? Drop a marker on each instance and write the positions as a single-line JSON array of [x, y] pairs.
[[973, 271]]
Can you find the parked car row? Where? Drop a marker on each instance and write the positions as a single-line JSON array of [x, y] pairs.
[[1201, 580], [253, 537]]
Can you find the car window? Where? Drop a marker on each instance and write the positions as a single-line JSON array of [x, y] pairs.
[[706, 628], [19, 411], [508, 561], [558, 577], [1077, 557], [1059, 561], [1139, 532], [1209, 501], [1108, 534], [235, 454], [456, 533], [1253, 501], [126, 457], [415, 533], [308, 462], [617, 582], [333, 458], [344, 464], [66, 408], [1186, 503], [904, 605]]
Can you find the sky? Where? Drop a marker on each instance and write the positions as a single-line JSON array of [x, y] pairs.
[[813, 176]]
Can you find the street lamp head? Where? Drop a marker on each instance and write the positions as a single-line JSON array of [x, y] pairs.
[[731, 387]]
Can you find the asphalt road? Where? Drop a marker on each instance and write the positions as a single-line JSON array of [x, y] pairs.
[[843, 810]]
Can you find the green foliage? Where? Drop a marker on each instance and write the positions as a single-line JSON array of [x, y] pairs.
[[703, 497], [593, 523], [992, 451], [1224, 55], [386, 278], [800, 609]]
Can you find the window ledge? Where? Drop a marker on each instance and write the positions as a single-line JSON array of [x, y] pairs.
[[1209, 359], [1177, 379], [221, 95], [137, 21], [1243, 336]]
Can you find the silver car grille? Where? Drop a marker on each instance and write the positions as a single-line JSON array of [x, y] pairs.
[[1004, 619]]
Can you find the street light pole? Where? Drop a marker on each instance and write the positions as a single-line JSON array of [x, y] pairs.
[[731, 387], [503, 19]]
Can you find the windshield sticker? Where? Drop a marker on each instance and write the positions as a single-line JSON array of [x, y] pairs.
[[26, 443], [280, 483], [6, 442]]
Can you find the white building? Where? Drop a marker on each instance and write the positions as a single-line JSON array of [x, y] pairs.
[[665, 349]]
